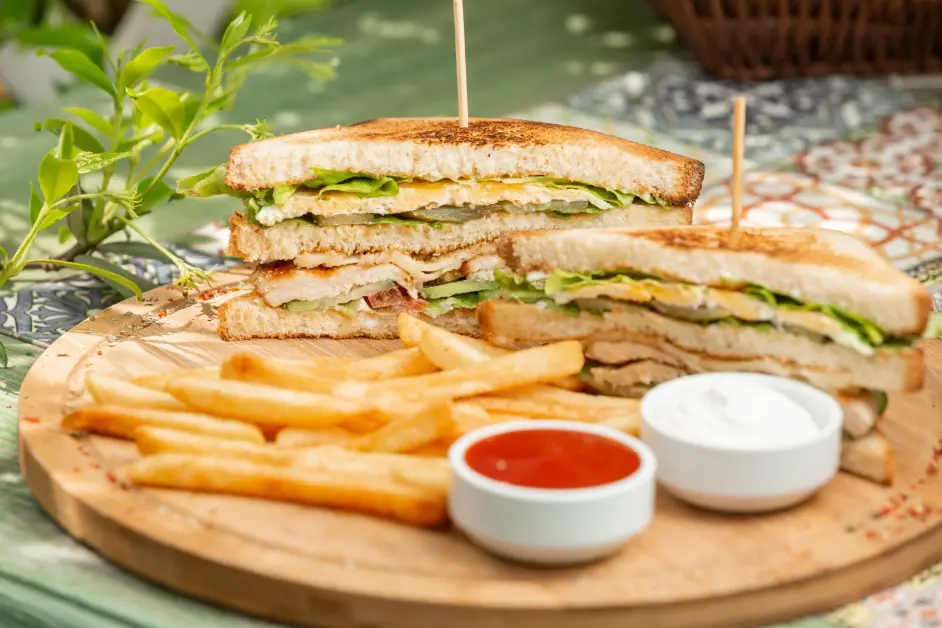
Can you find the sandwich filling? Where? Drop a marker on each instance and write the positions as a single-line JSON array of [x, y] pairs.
[[740, 304], [347, 198], [631, 367], [390, 281]]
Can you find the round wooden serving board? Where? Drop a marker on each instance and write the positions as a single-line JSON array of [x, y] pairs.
[[319, 567]]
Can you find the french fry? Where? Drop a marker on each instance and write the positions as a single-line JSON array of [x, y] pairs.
[[438, 449], [448, 350], [121, 392], [121, 422], [265, 405], [396, 500], [248, 367], [549, 409], [299, 437], [401, 363], [627, 423], [555, 394], [155, 440], [530, 366], [408, 433], [159, 381], [411, 469], [469, 417]]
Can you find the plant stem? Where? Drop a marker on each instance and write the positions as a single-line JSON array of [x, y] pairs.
[[221, 127]]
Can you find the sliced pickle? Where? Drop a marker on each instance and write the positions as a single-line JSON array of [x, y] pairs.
[[450, 214]]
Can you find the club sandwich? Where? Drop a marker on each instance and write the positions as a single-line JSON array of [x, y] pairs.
[[651, 305], [351, 225]]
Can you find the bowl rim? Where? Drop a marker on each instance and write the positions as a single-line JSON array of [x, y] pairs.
[[830, 421], [644, 475]]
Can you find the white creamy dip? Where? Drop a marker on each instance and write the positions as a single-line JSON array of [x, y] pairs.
[[737, 415]]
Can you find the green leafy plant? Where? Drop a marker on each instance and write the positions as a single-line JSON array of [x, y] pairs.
[[106, 171]]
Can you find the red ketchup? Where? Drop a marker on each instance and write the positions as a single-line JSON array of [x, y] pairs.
[[552, 459]]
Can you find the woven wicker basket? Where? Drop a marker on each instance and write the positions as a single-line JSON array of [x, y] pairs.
[[762, 39]]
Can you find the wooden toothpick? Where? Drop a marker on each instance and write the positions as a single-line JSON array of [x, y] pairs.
[[739, 138], [462, 68]]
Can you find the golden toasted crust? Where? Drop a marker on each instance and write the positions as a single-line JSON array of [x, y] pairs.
[[248, 316], [436, 148]]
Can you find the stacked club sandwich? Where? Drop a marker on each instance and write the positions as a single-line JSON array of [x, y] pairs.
[[352, 225], [651, 305]]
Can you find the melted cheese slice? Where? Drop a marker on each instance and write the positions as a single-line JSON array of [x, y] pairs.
[[741, 305], [422, 195], [638, 292]]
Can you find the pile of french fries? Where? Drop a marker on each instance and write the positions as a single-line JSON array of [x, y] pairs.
[[368, 435]]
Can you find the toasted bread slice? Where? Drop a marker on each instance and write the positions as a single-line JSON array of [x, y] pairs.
[[249, 316], [709, 347], [288, 240], [812, 265], [870, 457], [437, 148]]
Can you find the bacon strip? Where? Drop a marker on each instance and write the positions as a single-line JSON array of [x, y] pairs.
[[395, 300]]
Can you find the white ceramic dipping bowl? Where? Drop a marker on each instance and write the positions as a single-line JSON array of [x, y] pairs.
[[550, 526], [738, 479]]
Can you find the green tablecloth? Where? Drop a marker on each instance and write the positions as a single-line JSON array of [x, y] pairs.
[[398, 61]]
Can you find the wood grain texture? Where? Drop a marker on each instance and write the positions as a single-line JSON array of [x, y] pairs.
[[332, 569]]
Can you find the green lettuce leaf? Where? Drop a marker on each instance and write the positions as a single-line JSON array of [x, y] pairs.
[[866, 330], [934, 327], [465, 301], [616, 198], [363, 185], [561, 280]]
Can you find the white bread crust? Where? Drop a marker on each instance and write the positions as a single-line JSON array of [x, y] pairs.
[[249, 316], [287, 240]]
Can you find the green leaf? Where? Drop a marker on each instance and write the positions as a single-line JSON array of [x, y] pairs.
[[4, 359], [211, 182], [64, 234], [66, 147], [56, 177], [80, 38], [235, 32], [92, 119], [143, 65], [191, 103], [91, 162], [159, 194], [304, 45], [190, 61], [82, 138], [35, 204], [55, 216], [163, 107], [133, 249], [82, 67], [125, 286], [177, 22], [143, 284]]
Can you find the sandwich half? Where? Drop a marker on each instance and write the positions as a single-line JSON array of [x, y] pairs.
[[351, 225], [652, 305]]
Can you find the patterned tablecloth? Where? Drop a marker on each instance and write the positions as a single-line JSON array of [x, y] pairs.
[[858, 155]]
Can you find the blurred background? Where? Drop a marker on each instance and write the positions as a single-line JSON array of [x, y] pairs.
[[844, 131]]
